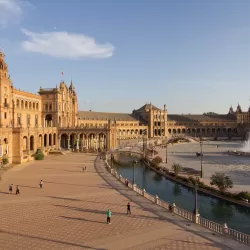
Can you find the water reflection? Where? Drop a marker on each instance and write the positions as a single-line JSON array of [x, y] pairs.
[[221, 210], [176, 189], [157, 177], [214, 209]]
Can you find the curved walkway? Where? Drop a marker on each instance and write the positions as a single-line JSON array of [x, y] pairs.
[[70, 211]]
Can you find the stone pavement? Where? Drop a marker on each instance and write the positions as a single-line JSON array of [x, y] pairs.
[[70, 212]]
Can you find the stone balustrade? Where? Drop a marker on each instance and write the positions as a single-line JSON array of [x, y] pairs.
[[196, 218]]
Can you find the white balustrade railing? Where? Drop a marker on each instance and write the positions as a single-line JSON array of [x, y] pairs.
[[213, 226], [244, 238], [183, 213], [149, 196]]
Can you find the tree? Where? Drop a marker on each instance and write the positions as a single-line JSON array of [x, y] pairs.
[[222, 181], [39, 154], [157, 160], [176, 168]]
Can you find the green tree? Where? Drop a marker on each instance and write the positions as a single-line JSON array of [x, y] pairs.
[[5, 160], [221, 181], [176, 168], [39, 154], [157, 160]]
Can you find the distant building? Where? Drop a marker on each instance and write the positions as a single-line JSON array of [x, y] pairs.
[[51, 120]]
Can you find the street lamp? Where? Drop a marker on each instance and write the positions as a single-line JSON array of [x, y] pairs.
[[166, 152], [201, 159], [195, 211], [134, 163]]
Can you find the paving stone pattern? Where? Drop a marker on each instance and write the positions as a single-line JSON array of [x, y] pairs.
[[69, 212]]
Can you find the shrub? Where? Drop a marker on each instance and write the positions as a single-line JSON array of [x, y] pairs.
[[222, 181], [5, 160], [39, 154], [157, 160], [243, 195], [176, 168]]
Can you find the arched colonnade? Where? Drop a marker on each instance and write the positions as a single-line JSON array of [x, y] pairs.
[[83, 141], [31, 143], [204, 131], [129, 133]]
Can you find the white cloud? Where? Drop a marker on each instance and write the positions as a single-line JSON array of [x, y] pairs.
[[65, 45], [11, 11]]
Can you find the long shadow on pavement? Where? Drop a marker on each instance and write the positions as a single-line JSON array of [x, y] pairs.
[[80, 185], [104, 212], [73, 218], [28, 186], [50, 240]]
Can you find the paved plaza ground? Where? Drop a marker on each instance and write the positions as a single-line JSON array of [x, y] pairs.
[[70, 212], [214, 160]]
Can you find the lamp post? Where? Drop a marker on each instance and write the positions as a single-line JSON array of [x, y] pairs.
[[134, 163], [195, 211], [166, 152], [201, 160]]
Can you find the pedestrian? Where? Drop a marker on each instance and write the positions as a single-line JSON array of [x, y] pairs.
[[17, 189], [10, 188], [128, 208], [41, 184], [85, 168], [109, 213]]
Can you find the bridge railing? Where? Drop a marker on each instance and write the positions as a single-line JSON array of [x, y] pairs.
[[196, 218]]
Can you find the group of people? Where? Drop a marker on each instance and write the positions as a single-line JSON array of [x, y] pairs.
[[18, 189], [11, 188], [84, 169], [109, 213]]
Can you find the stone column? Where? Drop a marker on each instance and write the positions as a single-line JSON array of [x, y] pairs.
[[68, 142], [47, 139], [77, 143], [59, 143]]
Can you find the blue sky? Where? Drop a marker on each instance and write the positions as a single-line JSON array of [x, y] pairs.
[[192, 55]]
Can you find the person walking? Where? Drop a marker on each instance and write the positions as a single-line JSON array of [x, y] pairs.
[[85, 168], [17, 189], [128, 208], [41, 184], [10, 188], [109, 213]]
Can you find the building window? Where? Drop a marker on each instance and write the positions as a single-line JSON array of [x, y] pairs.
[[50, 107], [18, 119], [28, 119], [46, 106], [36, 119], [5, 115]]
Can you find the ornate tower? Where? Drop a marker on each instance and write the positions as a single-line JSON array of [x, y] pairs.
[[74, 105], [238, 110], [165, 120], [231, 111], [6, 94]]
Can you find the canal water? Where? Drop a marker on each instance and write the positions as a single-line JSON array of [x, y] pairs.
[[236, 216]]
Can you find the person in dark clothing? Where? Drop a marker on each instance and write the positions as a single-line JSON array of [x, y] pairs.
[[17, 190], [128, 208], [41, 184], [10, 188]]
